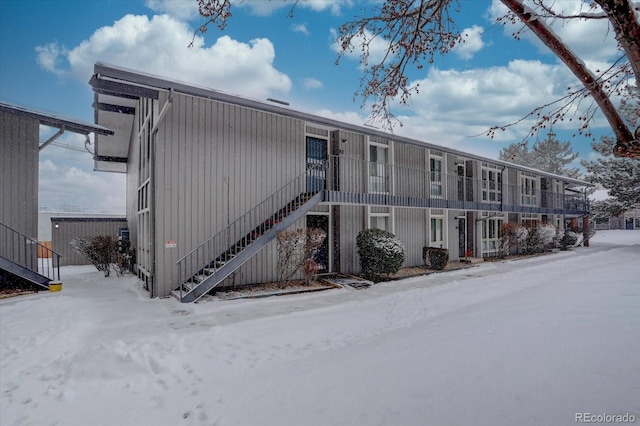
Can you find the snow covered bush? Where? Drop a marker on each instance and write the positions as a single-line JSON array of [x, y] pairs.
[[437, 257], [101, 251], [513, 236], [295, 248], [381, 253], [539, 236], [569, 239]]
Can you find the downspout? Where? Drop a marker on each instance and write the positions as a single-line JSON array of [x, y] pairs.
[[502, 189], [51, 139], [152, 191], [585, 221], [87, 142]]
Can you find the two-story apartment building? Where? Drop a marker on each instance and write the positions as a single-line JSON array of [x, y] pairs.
[[212, 177]]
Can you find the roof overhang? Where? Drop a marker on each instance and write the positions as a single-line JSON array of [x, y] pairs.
[[118, 89], [55, 120]]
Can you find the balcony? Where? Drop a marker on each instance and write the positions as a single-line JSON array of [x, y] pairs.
[[354, 181]]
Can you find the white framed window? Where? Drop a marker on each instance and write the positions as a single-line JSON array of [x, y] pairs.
[[435, 175], [379, 168], [491, 234], [559, 195], [529, 188], [530, 219], [380, 218], [491, 183], [436, 231]]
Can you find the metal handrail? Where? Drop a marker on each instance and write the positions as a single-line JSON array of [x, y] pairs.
[[23, 251], [244, 230]]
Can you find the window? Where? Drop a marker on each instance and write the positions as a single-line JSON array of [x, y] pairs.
[[530, 219], [380, 222], [491, 234], [378, 168], [435, 168], [559, 195], [437, 232], [529, 185], [491, 184], [380, 218]]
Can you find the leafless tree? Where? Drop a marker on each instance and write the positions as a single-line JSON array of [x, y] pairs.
[[415, 31]]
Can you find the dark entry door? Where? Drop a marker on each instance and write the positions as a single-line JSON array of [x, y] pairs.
[[321, 256], [316, 164], [462, 236]]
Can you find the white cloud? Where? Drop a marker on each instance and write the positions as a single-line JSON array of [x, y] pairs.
[[377, 47], [49, 57], [472, 42], [591, 40], [72, 187], [300, 28], [180, 9], [453, 106], [267, 8], [160, 46], [351, 117], [312, 83], [48, 166]]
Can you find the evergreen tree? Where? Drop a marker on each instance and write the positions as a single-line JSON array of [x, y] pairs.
[[517, 153], [620, 176], [553, 156], [549, 155]]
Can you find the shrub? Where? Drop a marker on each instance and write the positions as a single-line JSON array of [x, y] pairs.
[[569, 239], [381, 253], [438, 257], [539, 236], [295, 249], [309, 269], [101, 251], [513, 236]]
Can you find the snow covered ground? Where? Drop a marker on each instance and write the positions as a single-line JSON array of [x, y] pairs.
[[526, 342]]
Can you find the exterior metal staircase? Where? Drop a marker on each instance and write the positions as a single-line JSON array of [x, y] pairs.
[[19, 256], [208, 265]]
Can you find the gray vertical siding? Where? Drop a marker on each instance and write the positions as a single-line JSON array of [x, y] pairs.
[[411, 179], [352, 221], [351, 173], [214, 162], [19, 140], [411, 228], [63, 230]]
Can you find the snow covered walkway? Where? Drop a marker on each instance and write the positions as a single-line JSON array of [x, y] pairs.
[[525, 342]]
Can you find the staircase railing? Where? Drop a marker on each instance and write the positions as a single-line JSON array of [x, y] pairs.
[[23, 251], [246, 229]]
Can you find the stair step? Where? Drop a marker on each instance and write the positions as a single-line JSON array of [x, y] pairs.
[[206, 278], [200, 278]]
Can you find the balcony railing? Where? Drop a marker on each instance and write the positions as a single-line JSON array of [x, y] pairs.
[[361, 182]]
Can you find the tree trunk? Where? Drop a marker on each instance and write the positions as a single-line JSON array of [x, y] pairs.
[[623, 20], [624, 136]]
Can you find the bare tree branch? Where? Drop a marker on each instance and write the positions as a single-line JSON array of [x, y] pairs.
[[626, 143], [415, 31]]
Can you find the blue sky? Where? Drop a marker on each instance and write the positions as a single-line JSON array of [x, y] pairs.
[[48, 48]]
